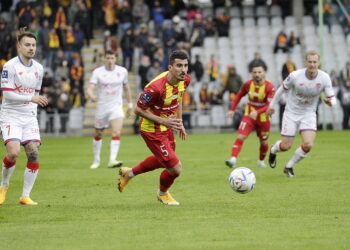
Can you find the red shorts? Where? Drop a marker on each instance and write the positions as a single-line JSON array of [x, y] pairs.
[[248, 124], [162, 145]]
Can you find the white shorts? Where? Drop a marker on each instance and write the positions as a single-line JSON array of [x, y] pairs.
[[104, 116], [22, 129], [291, 123]]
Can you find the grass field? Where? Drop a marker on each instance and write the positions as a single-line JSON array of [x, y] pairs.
[[82, 209]]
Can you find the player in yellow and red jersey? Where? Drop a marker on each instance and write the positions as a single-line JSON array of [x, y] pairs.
[[160, 109], [260, 93]]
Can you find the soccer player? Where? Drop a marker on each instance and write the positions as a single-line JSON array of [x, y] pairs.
[[110, 80], [260, 93], [160, 108], [303, 88], [21, 83]]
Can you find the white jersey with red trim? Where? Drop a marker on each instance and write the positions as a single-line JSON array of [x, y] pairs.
[[303, 93], [24, 81], [110, 86]]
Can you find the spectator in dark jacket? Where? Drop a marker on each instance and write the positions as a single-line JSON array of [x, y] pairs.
[[127, 45]]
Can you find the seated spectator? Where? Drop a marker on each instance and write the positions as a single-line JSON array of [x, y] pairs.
[[293, 43], [281, 43], [188, 105], [232, 82], [198, 68], [210, 27], [345, 73], [223, 24], [154, 70], [216, 95], [344, 97], [213, 68], [204, 97], [198, 33]]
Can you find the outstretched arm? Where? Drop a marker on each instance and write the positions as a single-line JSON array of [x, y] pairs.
[[275, 100]]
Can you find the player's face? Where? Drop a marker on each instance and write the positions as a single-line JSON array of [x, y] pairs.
[[179, 69], [110, 60], [312, 63], [27, 47], [258, 74]]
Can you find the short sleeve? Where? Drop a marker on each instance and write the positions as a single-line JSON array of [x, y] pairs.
[[147, 98], [289, 81], [94, 77], [7, 77]]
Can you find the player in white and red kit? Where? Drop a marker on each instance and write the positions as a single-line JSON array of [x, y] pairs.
[[21, 83], [303, 88], [110, 79]]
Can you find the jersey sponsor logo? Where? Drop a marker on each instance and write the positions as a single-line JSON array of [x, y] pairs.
[[5, 74], [146, 97], [22, 89]]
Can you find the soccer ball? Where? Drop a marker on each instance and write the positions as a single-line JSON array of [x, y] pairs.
[[242, 180]]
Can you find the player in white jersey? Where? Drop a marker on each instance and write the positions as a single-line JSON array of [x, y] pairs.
[[303, 88], [21, 82], [110, 79]]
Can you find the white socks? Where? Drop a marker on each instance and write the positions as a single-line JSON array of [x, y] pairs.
[[276, 147], [299, 154], [97, 145], [114, 149], [6, 175], [29, 180]]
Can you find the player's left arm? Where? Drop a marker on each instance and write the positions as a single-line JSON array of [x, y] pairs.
[[128, 97], [329, 98], [182, 130]]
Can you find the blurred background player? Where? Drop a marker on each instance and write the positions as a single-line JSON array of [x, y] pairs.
[[160, 107], [303, 88], [110, 80], [21, 83], [260, 93]]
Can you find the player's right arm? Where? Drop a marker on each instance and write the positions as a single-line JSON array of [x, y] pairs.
[[91, 86], [286, 84]]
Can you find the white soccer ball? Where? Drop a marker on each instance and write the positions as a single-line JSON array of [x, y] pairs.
[[242, 180]]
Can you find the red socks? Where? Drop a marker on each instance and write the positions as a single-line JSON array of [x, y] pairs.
[[148, 164], [33, 166], [166, 180], [7, 163], [236, 147], [263, 151]]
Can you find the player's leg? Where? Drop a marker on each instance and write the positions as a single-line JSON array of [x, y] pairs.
[[96, 147], [290, 125], [116, 126], [8, 166], [172, 171], [263, 132], [157, 147], [308, 127], [245, 128], [12, 135], [167, 178], [30, 172]]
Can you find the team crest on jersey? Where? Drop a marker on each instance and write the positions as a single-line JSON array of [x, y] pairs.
[[301, 84], [5, 74], [318, 85], [146, 97], [20, 73]]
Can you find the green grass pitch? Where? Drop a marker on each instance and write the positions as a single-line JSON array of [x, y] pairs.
[[81, 208]]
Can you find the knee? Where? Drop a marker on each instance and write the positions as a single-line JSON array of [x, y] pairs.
[[285, 146], [12, 155], [98, 134], [241, 137], [307, 146], [264, 143], [176, 170]]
